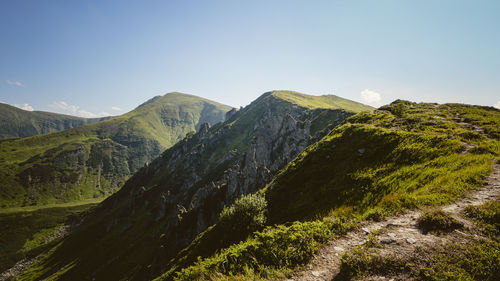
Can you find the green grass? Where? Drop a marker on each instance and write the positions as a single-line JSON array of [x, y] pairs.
[[478, 259], [401, 157], [360, 261], [487, 216], [27, 232], [89, 202], [282, 247], [437, 221], [325, 101]]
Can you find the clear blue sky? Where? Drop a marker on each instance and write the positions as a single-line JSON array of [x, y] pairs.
[[96, 55]]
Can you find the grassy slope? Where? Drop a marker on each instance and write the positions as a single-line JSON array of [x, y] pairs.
[[325, 101], [403, 156], [144, 240], [18, 123], [110, 151], [26, 233]]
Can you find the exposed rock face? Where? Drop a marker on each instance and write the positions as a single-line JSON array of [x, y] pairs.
[[181, 193]]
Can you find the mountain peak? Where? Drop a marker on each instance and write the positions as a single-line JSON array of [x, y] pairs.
[[177, 98], [316, 102]]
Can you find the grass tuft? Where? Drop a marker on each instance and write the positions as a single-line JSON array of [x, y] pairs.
[[437, 221]]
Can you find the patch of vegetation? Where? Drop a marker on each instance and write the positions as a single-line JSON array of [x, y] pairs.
[[245, 216], [275, 249], [487, 215], [26, 233], [325, 101], [360, 262], [474, 260], [437, 221]]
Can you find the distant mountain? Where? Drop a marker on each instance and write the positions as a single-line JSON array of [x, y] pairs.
[[160, 210], [94, 160], [18, 123]]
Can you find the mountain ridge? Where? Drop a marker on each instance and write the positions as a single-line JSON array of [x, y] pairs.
[[164, 205], [17, 123]]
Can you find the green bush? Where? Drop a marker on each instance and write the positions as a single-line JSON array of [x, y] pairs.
[[487, 215], [246, 215], [359, 262], [437, 220]]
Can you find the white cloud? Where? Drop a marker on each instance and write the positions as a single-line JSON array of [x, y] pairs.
[[15, 83], [497, 105], [25, 106], [116, 108], [371, 97], [65, 108]]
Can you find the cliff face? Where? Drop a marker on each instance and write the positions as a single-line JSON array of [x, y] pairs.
[[168, 202]]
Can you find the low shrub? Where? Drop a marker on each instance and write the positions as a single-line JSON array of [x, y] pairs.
[[476, 260], [246, 215], [487, 215], [438, 221]]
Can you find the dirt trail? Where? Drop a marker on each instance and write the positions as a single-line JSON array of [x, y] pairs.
[[399, 234]]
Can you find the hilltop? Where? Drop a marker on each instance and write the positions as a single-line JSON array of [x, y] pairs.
[[160, 210], [18, 123], [324, 101], [94, 160]]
